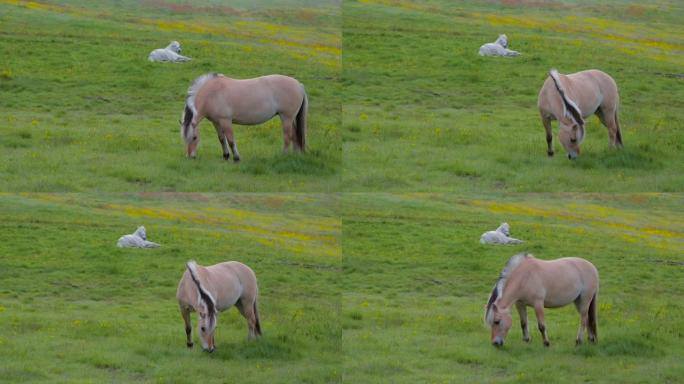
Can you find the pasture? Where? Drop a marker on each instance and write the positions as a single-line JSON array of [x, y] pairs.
[[422, 111], [75, 308], [416, 280], [82, 109]]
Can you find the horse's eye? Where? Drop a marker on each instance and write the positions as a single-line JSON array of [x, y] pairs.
[[496, 322], [204, 329], [194, 138]]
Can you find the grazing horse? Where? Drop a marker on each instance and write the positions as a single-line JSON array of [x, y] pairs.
[[225, 101], [213, 289], [527, 281], [572, 98]]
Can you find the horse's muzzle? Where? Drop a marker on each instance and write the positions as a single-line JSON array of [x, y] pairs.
[[208, 350], [497, 342]]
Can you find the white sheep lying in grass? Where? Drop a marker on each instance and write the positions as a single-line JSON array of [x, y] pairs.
[[170, 53], [137, 240], [498, 48], [500, 236]]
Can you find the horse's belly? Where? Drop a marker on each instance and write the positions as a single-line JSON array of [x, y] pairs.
[[560, 299]]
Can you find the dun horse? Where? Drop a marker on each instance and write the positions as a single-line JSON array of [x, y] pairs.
[[225, 101], [572, 98], [527, 281], [213, 289]]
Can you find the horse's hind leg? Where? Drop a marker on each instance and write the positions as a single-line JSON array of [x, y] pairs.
[[246, 308], [227, 127], [222, 140], [546, 121], [185, 312], [583, 309], [539, 311], [522, 311], [609, 120], [288, 131]]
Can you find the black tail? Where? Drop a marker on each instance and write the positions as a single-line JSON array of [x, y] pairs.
[[300, 124], [618, 135], [258, 323], [592, 323]]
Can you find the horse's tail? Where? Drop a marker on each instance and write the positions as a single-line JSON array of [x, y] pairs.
[[618, 134], [300, 123], [592, 323], [570, 108], [256, 316]]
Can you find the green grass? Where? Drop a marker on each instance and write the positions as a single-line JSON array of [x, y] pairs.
[[82, 108], [423, 111], [75, 308], [416, 280]]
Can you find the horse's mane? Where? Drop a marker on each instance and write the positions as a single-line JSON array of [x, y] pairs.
[[195, 86], [190, 109], [510, 266], [204, 295], [569, 106]]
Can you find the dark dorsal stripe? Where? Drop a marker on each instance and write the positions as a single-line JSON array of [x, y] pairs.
[[187, 118], [573, 111], [203, 294]]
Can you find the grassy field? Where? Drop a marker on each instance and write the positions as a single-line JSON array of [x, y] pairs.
[[82, 109], [74, 308], [422, 111], [416, 280]]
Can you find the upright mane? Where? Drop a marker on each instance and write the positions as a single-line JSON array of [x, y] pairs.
[[204, 295], [190, 109], [195, 86], [570, 109], [510, 266]]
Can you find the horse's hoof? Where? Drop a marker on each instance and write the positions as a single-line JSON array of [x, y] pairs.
[[546, 344], [190, 345], [526, 340], [550, 153], [578, 342], [226, 156], [236, 159]]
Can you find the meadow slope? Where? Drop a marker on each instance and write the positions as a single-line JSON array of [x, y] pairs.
[[416, 280], [82, 108], [423, 111], [75, 308]]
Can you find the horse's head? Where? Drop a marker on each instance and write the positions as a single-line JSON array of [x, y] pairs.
[[499, 319], [207, 324], [571, 135], [189, 132]]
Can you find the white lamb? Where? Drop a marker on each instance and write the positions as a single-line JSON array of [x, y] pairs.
[[498, 48], [136, 240], [500, 236], [170, 53]]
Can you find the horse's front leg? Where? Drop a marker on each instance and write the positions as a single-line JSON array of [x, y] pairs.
[[227, 127], [539, 311], [185, 312], [546, 121], [522, 311], [222, 140]]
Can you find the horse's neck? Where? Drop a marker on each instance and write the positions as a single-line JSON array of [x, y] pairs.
[[511, 291]]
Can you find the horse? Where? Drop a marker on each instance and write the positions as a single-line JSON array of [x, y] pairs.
[[498, 48], [213, 289], [170, 53], [572, 98], [225, 101], [527, 281]]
